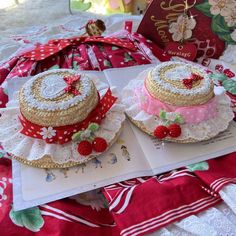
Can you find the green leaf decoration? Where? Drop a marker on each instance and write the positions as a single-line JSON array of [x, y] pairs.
[[75, 65], [30, 218], [107, 63], [114, 48], [179, 119], [93, 127], [204, 8], [128, 57], [201, 166], [230, 85], [218, 76], [80, 5], [54, 67], [76, 136], [162, 115], [2, 154], [227, 38], [220, 27]]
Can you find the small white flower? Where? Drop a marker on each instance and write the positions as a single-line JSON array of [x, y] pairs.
[[171, 116], [182, 29], [47, 132], [231, 18], [222, 7], [233, 35]]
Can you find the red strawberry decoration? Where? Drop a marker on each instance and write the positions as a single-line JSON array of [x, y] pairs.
[[99, 144], [229, 73], [161, 131], [84, 148], [174, 130]]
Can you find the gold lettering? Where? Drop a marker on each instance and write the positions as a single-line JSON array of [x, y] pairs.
[[170, 5], [159, 23], [163, 35]]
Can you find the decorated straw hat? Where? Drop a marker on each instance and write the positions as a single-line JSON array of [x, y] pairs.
[[64, 118], [177, 101]]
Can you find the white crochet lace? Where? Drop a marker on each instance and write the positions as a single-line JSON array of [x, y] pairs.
[[182, 71], [52, 88]]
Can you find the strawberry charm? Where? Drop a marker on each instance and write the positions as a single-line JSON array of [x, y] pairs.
[[174, 130], [84, 148], [161, 131], [88, 142], [99, 144]]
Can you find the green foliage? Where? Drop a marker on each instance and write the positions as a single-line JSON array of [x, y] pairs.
[[201, 166], [218, 77], [204, 8], [30, 218], [218, 24], [230, 85], [76, 136], [80, 5], [128, 57], [93, 127], [107, 63]]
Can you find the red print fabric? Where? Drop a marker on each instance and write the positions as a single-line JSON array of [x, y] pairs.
[[137, 206]]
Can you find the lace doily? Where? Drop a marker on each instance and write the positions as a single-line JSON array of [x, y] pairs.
[[202, 131], [31, 149]]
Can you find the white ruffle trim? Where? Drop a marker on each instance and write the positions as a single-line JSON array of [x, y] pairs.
[[204, 130], [33, 149]]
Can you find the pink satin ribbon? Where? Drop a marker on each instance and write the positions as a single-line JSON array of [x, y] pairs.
[[191, 114]]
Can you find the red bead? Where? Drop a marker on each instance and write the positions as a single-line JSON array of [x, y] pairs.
[[174, 130], [161, 131], [84, 148], [99, 144]]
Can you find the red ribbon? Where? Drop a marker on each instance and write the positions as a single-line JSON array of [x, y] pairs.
[[190, 81], [71, 80], [63, 134], [54, 46]]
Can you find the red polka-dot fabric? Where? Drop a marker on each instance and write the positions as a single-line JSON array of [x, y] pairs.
[[80, 53], [63, 134]]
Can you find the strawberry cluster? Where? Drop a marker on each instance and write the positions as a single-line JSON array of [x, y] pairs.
[[85, 147], [173, 130]]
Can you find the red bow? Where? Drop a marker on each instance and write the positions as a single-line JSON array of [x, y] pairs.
[[56, 45], [190, 81], [71, 80]]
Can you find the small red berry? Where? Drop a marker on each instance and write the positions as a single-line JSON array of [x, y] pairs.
[[174, 130], [161, 131], [99, 144], [84, 148]]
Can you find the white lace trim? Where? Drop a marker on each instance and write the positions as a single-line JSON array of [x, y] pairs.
[[52, 92], [201, 131], [33, 149], [182, 71]]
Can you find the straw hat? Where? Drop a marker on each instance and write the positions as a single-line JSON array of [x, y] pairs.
[[177, 102], [64, 118]]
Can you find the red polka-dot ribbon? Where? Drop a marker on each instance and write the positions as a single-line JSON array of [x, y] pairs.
[[63, 134], [54, 46]]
